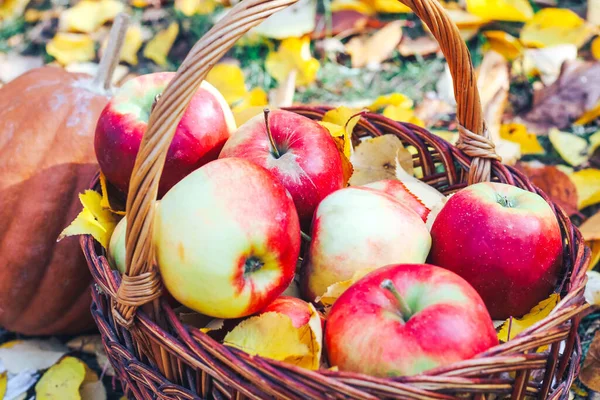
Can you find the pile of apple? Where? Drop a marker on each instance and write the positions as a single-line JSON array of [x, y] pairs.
[[237, 204]]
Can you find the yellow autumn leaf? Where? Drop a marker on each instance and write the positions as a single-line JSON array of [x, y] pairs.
[[131, 45], [590, 229], [595, 257], [88, 15], [104, 201], [363, 7], [393, 99], [158, 48], [140, 3], [587, 182], [401, 114], [293, 54], [552, 26], [504, 43], [61, 381], [594, 142], [340, 123], [93, 220], [257, 97], [537, 313], [242, 116], [589, 116], [501, 10], [375, 159], [390, 7], [572, 148], [228, 79], [191, 7], [334, 291], [3, 381], [10, 9], [595, 48], [68, 48], [272, 335], [463, 19], [517, 133]]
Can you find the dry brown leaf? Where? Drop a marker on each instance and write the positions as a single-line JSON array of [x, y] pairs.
[[431, 110], [590, 229], [377, 48], [555, 183], [566, 99], [547, 62], [590, 372], [422, 45], [343, 23]]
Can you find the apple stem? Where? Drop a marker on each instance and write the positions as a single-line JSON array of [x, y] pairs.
[[305, 236], [405, 310], [112, 54], [155, 101], [274, 149], [504, 201]]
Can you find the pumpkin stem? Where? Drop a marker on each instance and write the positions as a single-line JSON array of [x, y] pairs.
[[112, 54]]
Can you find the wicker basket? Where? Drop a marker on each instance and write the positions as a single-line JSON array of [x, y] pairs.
[[156, 356]]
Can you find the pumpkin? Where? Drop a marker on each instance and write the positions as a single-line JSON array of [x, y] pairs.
[[47, 122]]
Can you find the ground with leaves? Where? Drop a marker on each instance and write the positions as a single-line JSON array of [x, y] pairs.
[[539, 80]]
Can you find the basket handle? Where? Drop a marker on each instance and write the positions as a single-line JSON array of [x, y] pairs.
[[141, 283]]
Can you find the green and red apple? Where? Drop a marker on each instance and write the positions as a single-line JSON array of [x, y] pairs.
[[227, 239], [505, 241], [297, 150], [405, 319], [399, 191], [204, 128], [357, 228]]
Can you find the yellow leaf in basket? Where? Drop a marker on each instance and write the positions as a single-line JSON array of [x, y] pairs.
[[257, 97], [587, 182], [340, 123], [334, 291], [293, 54], [504, 43], [93, 220], [572, 148], [537, 313], [517, 133], [104, 201], [228, 79], [3, 381], [272, 335], [375, 159], [552, 26], [501, 10], [158, 48], [61, 381], [87, 15], [68, 48]]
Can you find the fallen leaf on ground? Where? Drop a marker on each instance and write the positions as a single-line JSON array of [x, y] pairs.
[[131, 45], [587, 182], [537, 313], [87, 16], [158, 48], [255, 336], [595, 258], [555, 183], [334, 291], [590, 229], [504, 43], [61, 381], [594, 142], [517, 133], [431, 110], [375, 159], [589, 116], [390, 7], [375, 49], [590, 371], [3, 381], [228, 79], [10, 9], [342, 22], [421, 45], [68, 48], [551, 26], [547, 62], [572, 148], [293, 54], [256, 97], [93, 220], [393, 99], [556, 106], [192, 7], [593, 12], [35, 354], [362, 7], [293, 21], [501, 10]]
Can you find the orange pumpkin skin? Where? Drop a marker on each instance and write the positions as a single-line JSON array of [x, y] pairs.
[[47, 122]]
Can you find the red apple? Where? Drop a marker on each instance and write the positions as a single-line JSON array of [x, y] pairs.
[[357, 229], [302, 155], [398, 190], [404, 319], [203, 130], [504, 241], [227, 239]]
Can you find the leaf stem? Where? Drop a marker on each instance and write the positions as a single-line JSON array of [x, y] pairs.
[[269, 135], [405, 310]]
